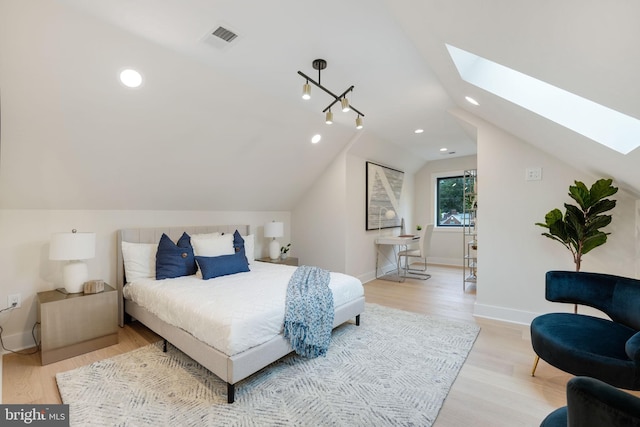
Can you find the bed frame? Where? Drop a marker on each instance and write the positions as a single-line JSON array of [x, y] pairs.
[[230, 369]]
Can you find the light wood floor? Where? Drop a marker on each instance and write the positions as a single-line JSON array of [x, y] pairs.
[[494, 387]]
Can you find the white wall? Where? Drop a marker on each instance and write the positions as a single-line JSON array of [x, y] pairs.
[[446, 243], [319, 220], [513, 257], [25, 267], [361, 248], [328, 224]]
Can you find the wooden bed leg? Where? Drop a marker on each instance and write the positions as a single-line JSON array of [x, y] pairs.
[[164, 346], [358, 320], [231, 392]]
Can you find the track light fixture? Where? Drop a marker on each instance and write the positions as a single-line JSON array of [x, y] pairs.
[[321, 64], [329, 117], [345, 104], [306, 91]]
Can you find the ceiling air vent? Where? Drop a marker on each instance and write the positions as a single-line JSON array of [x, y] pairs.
[[224, 34]]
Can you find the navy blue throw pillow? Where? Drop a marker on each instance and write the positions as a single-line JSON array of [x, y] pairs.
[[175, 260], [238, 241], [222, 265]]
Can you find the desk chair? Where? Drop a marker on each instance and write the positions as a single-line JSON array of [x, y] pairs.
[[422, 252]]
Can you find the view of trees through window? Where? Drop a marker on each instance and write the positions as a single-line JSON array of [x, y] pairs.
[[450, 201]]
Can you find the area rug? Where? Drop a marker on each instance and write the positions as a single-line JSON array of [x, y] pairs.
[[395, 369]]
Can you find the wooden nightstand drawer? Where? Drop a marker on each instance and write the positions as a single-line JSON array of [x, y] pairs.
[[73, 324]]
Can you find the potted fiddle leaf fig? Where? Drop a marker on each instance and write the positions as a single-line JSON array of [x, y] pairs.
[[579, 228]]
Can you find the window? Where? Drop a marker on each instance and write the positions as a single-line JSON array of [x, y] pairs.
[[449, 201], [608, 127]]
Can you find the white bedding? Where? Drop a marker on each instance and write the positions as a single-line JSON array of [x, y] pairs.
[[230, 313]]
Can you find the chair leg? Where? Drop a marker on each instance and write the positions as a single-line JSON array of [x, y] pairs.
[[535, 365]]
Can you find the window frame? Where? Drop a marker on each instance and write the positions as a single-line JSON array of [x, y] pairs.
[[438, 179]]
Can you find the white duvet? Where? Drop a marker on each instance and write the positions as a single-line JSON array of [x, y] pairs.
[[230, 313]]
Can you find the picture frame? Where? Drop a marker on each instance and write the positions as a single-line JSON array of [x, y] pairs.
[[384, 188]]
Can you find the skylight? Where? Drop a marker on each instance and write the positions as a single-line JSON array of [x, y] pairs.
[[597, 122]]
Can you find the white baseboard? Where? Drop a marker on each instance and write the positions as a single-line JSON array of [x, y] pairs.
[[504, 314], [452, 262], [449, 262], [18, 342]]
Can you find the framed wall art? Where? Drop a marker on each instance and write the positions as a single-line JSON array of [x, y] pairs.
[[384, 187]]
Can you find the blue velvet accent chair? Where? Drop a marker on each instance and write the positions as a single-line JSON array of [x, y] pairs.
[[593, 403], [608, 350]]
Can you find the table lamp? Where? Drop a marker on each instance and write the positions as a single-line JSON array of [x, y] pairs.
[[73, 247], [389, 214], [274, 229]]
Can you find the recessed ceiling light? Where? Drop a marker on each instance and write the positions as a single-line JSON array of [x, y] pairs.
[[470, 100], [316, 138], [418, 131], [443, 149], [130, 78]]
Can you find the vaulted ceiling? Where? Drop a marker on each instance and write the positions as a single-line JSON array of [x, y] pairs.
[[223, 127]]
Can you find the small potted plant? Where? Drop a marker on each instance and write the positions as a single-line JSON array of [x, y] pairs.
[[284, 251], [418, 227]]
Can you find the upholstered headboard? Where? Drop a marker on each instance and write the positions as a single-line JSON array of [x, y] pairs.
[[153, 235]]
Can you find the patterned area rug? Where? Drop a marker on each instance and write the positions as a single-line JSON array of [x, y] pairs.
[[396, 368]]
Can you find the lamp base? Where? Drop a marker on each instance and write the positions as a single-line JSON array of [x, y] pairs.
[[274, 249], [74, 274]]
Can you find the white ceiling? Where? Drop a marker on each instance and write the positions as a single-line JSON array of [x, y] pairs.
[[225, 127]]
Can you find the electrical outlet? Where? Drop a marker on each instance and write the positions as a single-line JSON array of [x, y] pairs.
[[15, 298], [533, 174]]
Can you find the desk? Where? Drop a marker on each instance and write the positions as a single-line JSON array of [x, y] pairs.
[[397, 243]]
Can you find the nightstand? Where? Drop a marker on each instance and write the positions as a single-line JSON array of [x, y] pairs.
[[287, 261], [73, 324]]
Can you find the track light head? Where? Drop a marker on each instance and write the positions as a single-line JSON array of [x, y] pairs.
[[345, 104], [306, 91], [359, 122], [329, 117]]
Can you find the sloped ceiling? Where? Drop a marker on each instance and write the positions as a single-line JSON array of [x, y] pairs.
[[224, 128], [587, 48]]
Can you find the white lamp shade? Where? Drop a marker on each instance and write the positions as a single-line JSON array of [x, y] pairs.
[[72, 246], [274, 229]]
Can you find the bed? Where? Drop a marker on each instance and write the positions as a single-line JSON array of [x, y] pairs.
[[245, 349]]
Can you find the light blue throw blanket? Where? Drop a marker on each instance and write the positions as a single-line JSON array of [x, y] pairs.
[[308, 318]]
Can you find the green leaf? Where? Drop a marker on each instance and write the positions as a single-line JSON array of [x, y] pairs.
[[557, 239], [558, 229], [553, 217], [593, 242], [598, 222], [602, 188], [580, 194], [602, 206]]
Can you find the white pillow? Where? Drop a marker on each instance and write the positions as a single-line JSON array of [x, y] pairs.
[[249, 247], [139, 260], [205, 235], [213, 246]]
